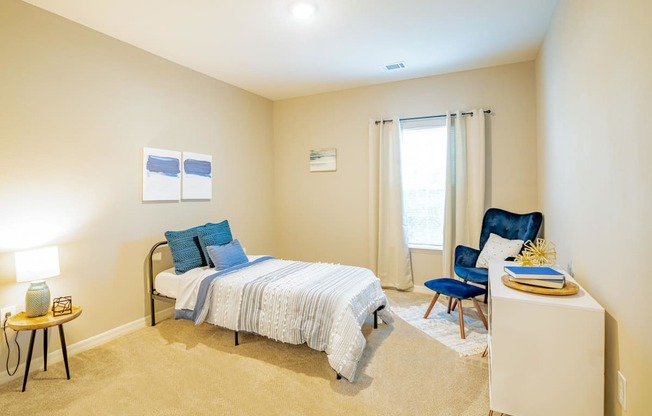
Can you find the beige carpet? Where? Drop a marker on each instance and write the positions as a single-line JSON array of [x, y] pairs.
[[176, 368]]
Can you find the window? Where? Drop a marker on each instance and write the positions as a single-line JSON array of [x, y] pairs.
[[423, 167]]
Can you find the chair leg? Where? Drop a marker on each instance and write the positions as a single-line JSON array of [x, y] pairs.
[[434, 300], [461, 316], [450, 299], [486, 294], [477, 308], [454, 304]]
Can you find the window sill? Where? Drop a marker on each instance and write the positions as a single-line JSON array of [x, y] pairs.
[[414, 248]]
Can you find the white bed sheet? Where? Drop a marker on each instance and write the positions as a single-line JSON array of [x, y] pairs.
[[167, 282]]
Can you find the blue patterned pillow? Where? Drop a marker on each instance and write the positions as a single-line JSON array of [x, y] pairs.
[[227, 255], [214, 235], [186, 250]]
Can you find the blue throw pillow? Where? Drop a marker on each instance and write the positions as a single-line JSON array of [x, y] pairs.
[[227, 255], [186, 250], [214, 235]]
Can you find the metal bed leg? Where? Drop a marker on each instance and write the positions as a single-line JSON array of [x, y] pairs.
[[152, 310], [380, 308], [236, 339]]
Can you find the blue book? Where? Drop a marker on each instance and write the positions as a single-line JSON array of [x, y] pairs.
[[534, 272], [549, 283]]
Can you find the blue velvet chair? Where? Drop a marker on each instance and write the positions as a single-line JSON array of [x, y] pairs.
[[503, 223]]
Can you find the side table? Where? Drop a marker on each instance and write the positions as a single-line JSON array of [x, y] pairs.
[[21, 322], [546, 353]]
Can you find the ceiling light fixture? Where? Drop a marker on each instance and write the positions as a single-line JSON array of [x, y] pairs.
[[302, 9]]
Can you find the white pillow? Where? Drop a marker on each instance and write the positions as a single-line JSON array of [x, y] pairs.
[[498, 248]]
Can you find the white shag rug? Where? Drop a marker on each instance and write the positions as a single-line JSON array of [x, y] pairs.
[[445, 327]]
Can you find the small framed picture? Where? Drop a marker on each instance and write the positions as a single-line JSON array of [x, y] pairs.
[[323, 160]]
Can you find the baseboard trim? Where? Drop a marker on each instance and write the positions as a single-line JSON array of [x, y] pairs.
[[84, 345], [422, 289]]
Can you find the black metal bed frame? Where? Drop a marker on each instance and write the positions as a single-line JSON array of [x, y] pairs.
[[154, 295]]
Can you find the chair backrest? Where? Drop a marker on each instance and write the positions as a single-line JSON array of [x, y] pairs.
[[509, 225]]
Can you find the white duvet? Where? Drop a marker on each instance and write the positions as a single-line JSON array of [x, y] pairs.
[[323, 305]]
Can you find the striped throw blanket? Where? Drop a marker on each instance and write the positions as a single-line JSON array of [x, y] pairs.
[[323, 305]]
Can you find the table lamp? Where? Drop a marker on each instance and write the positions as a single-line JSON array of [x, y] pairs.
[[34, 266]]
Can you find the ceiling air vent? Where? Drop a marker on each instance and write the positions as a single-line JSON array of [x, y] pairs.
[[394, 66]]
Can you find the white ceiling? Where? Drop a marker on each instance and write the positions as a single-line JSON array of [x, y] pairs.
[[259, 46]]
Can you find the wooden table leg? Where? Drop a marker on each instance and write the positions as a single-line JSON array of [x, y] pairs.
[[62, 337], [45, 349], [29, 357]]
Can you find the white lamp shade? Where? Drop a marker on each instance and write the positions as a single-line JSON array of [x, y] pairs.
[[37, 264]]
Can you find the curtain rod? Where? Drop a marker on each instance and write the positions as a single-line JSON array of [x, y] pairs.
[[467, 113]]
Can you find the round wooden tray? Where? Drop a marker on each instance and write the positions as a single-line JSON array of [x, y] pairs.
[[569, 288]]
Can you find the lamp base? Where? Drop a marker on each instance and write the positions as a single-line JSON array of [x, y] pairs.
[[37, 299]]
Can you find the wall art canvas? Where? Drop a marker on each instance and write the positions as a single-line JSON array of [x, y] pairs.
[[197, 176], [323, 160], [161, 175]]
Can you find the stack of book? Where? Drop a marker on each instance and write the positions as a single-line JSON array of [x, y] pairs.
[[541, 276]]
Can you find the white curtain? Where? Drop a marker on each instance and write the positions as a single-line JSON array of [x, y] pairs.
[[389, 252], [465, 184]]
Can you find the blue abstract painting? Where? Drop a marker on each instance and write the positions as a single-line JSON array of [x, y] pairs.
[[168, 166], [161, 175], [197, 176]]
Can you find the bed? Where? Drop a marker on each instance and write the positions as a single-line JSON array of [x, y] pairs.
[[323, 305]]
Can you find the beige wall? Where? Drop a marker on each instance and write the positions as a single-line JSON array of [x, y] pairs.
[[76, 109], [595, 90], [324, 216]]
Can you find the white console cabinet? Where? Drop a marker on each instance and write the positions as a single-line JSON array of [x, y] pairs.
[[546, 353]]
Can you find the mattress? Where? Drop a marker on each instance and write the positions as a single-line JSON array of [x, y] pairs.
[[166, 282]]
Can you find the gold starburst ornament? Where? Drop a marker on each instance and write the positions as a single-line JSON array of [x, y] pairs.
[[537, 253]]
